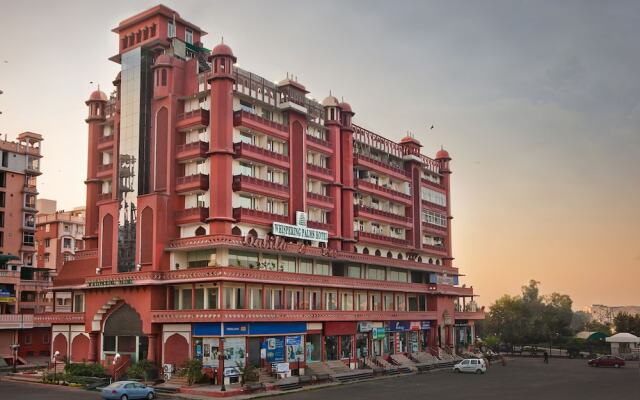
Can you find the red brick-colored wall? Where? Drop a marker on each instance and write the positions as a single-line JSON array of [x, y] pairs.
[[176, 350]]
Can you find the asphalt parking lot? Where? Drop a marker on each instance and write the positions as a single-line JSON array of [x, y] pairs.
[[521, 379]]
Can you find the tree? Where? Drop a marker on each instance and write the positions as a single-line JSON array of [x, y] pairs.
[[579, 321], [625, 322], [595, 326]]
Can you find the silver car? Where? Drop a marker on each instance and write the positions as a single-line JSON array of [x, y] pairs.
[[474, 365], [125, 390]]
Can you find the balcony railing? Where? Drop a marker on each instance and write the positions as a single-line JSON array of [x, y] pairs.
[[319, 141], [319, 225], [258, 153], [104, 196], [196, 182], [372, 187], [259, 123], [197, 149], [192, 119], [381, 238], [436, 248], [244, 213], [105, 169], [358, 208], [191, 215], [318, 169], [384, 166], [105, 139], [320, 197], [250, 183]]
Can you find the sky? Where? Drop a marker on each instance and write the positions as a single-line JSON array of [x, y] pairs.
[[538, 103]]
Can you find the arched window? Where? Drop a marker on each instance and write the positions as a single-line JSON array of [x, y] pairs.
[[389, 254], [252, 233], [200, 231], [419, 258], [378, 253], [164, 77], [437, 262], [365, 251], [431, 261], [399, 256], [236, 231]]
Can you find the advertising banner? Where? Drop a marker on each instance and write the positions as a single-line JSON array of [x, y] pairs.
[[275, 349], [295, 349], [234, 352]]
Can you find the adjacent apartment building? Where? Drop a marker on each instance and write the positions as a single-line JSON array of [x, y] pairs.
[[22, 285], [226, 213]]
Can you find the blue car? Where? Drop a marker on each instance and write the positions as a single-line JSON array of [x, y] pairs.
[[125, 390]]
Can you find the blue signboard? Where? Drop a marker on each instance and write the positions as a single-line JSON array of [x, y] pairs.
[[206, 329], [248, 328], [236, 328], [399, 326], [425, 325], [275, 349], [276, 328]]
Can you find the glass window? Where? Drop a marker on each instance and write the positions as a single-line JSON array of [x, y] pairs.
[[377, 273], [346, 303], [388, 302], [242, 259], [375, 303], [233, 298], [353, 271], [199, 299], [306, 266], [322, 268], [400, 302], [274, 298], [186, 299], [255, 298], [188, 36], [361, 301], [269, 261], [212, 298], [330, 301], [171, 29], [345, 346], [294, 299], [78, 302], [288, 264], [313, 300]]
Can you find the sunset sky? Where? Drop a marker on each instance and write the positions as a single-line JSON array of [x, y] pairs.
[[537, 102]]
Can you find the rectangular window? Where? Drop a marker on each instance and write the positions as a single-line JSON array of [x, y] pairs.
[[255, 298], [199, 299], [188, 36], [1, 219], [353, 271], [3, 199], [212, 298], [346, 303], [434, 218], [322, 268], [186, 299], [374, 302], [377, 273], [78, 302], [294, 299], [247, 202], [28, 239], [233, 298], [388, 301], [400, 302], [412, 302], [274, 298], [433, 196], [330, 300], [171, 29], [5, 158], [66, 243], [288, 264], [242, 259], [360, 301], [3, 179], [306, 266], [313, 300]]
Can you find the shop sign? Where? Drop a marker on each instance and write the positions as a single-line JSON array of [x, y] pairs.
[[282, 368], [295, 350], [268, 243], [399, 326], [231, 371], [7, 299], [425, 325], [365, 326], [110, 282], [235, 351], [236, 328], [275, 349], [300, 230], [378, 333], [415, 326]]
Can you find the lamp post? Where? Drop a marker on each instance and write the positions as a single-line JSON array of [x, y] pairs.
[[115, 364], [221, 365], [55, 364], [14, 349]]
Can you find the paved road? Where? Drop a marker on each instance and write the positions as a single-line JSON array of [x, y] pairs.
[[522, 379]]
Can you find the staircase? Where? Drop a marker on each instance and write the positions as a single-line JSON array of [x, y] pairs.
[[290, 383], [266, 377]]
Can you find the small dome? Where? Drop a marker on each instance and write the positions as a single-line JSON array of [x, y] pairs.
[[442, 154], [163, 59], [98, 95], [345, 107], [222, 50], [330, 102], [409, 139]]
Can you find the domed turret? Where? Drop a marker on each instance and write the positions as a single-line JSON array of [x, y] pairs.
[[98, 95], [222, 60], [330, 101], [96, 103], [222, 50], [442, 154], [346, 114], [331, 109]]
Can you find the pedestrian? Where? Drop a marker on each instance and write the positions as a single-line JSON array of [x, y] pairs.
[[546, 357]]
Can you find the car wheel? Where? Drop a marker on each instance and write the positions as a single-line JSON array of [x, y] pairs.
[[124, 397], [478, 371], [150, 396]]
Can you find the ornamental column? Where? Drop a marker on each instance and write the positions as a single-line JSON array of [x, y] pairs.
[[93, 346], [221, 140], [152, 348], [347, 189], [443, 158], [332, 122]]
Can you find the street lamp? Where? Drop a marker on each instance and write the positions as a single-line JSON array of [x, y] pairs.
[[221, 365], [14, 349], [55, 364], [115, 363]]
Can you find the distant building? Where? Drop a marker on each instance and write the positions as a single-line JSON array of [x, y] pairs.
[[22, 284], [606, 314], [58, 236]]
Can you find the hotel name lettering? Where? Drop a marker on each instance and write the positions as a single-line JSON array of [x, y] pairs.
[[300, 230], [110, 282]]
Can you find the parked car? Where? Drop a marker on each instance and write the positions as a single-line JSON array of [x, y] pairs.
[[125, 390], [474, 365], [606, 361]]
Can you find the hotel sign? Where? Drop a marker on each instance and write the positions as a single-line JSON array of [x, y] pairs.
[[300, 230], [110, 282]]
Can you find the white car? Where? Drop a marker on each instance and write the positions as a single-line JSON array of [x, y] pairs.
[[474, 365]]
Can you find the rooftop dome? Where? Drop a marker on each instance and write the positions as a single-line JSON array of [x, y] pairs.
[[98, 95], [222, 50], [410, 139], [345, 107], [330, 101], [442, 154], [163, 59]]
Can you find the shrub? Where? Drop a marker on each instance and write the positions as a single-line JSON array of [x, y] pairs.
[[248, 373], [143, 369], [192, 369], [84, 369]]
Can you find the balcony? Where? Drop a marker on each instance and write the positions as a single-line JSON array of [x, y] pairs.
[[320, 200], [105, 142], [432, 228], [192, 150], [243, 183], [251, 152], [255, 122], [191, 215], [30, 188], [376, 165], [433, 206], [319, 172], [427, 182], [33, 168], [382, 191], [192, 183], [105, 197], [16, 321], [319, 225], [319, 144], [193, 119], [440, 250], [367, 212], [104, 170], [381, 239], [258, 217]]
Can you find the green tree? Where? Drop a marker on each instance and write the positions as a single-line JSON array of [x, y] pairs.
[[579, 321], [595, 326], [625, 322]]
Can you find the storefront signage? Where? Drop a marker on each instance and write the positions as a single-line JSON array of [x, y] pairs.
[[236, 328], [231, 371], [282, 368], [399, 326], [300, 230], [415, 326], [295, 351], [378, 333], [235, 351], [275, 349], [110, 282], [425, 325], [7, 299], [365, 326], [268, 243]]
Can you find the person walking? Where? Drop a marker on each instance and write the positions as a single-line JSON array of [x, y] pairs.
[[546, 357]]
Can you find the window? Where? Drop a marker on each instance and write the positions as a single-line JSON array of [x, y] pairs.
[[345, 346], [78, 302], [247, 202], [397, 275], [3, 199], [233, 298], [28, 239], [375, 303], [248, 107], [313, 299], [377, 273], [330, 300], [353, 271], [199, 295], [400, 302], [346, 301], [188, 36], [1, 219], [274, 298], [242, 259], [247, 138], [212, 298], [288, 264], [295, 299], [322, 268], [247, 169], [388, 301], [171, 29], [360, 301], [306, 266], [3, 178], [27, 338], [66, 243], [255, 298], [199, 259], [434, 218]]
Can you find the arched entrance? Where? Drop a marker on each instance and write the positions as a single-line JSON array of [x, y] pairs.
[[122, 334]]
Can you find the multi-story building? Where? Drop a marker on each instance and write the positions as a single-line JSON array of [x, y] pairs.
[[22, 284], [227, 213], [58, 236], [606, 314]]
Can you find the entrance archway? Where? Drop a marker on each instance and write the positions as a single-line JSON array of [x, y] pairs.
[[122, 334]]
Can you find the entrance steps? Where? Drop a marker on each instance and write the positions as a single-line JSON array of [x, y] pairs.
[[353, 375], [290, 383], [266, 377]]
